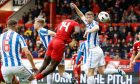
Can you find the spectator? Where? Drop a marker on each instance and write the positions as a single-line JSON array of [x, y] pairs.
[[123, 33], [117, 57], [129, 37], [130, 54], [110, 33], [95, 7]]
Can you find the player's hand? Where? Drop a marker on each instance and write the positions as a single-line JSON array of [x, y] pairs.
[[72, 5], [72, 43], [35, 69]]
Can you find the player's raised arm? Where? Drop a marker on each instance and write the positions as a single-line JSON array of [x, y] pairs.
[[73, 6]]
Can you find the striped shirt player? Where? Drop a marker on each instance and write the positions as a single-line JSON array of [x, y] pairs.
[[10, 44], [95, 56], [92, 38], [45, 38], [83, 51]]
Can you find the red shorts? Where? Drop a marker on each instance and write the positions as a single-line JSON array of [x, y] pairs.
[[56, 49], [77, 70]]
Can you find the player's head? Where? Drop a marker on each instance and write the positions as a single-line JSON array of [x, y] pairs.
[[39, 23], [76, 18], [89, 16], [12, 24]]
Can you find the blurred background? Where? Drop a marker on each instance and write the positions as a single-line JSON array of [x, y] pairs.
[[116, 37]]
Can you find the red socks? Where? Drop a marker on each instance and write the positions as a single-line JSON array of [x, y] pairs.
[[39, 76]]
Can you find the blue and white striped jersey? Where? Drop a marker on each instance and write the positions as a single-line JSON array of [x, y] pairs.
[[84, 49], [44, 37], [92, 38], [10, 44]]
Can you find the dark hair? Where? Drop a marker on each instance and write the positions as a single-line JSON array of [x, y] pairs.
[[76, 18]]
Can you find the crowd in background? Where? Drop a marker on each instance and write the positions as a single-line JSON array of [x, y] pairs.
[[116, 37]]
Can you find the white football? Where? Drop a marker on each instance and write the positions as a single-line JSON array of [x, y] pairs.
[[103, 16]]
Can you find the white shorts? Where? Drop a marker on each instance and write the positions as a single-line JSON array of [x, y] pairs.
[[85, 69], [95, 58], [21, 71]]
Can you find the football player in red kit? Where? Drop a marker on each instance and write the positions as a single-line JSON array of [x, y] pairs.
[[77, 68], [136, 52], [65, 30]]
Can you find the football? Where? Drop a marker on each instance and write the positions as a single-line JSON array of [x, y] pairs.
[[103, 16]]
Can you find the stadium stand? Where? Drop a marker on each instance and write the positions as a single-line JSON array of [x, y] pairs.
[[117, 37]]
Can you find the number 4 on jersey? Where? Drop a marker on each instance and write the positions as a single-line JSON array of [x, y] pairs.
[[65, 25]]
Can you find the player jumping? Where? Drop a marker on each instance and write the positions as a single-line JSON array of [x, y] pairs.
[[45, 37], [56, 47], [95, 58]]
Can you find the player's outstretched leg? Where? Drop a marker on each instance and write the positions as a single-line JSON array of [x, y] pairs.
[[107, 71], [50, 68], [45, 63]]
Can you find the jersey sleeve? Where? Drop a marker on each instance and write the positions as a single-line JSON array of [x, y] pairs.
[[22, 42], [85, 22], [43, 32]]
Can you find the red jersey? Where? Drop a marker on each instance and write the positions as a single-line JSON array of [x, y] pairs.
[[65, 30], [74, 57], [136, 46]]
